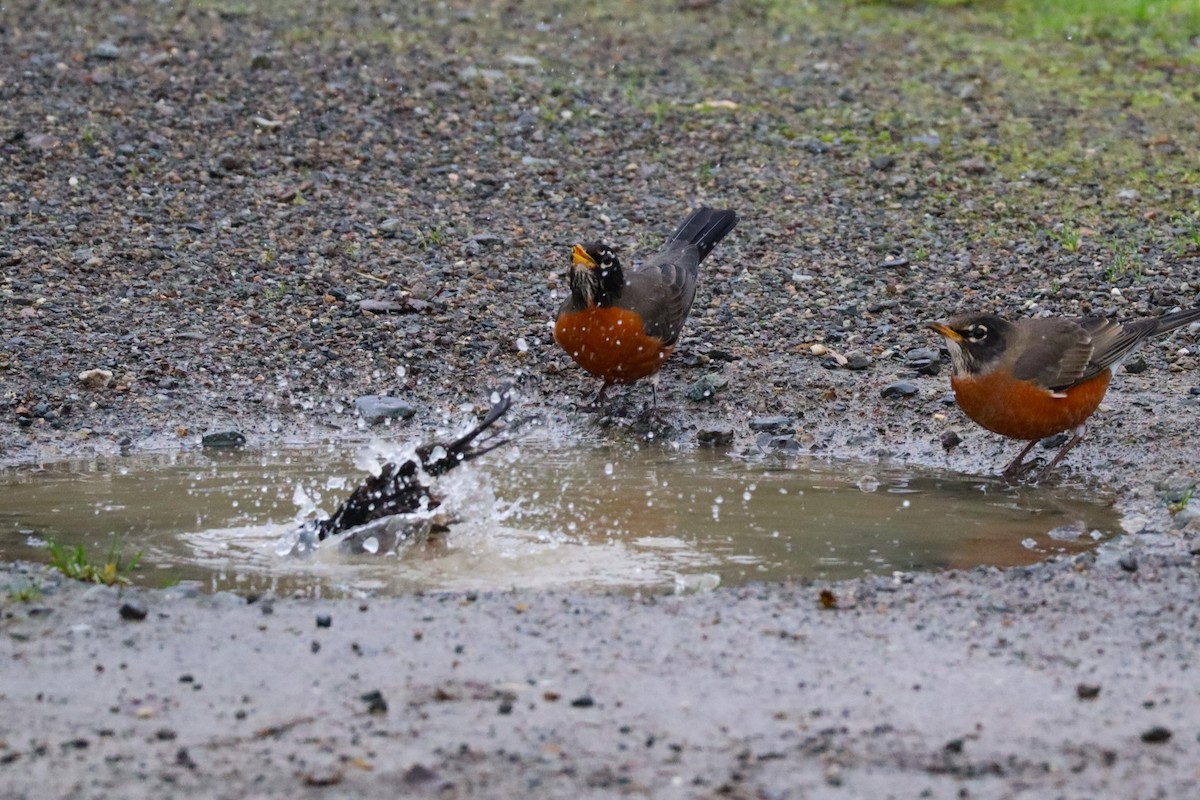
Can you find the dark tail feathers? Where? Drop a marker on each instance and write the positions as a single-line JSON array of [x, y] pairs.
[[704, 228], [1169, 322]]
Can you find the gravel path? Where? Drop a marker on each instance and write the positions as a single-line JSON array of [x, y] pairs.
[[252, 215]]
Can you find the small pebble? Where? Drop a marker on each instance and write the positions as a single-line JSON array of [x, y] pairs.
[[857, 360], [707, 387], [1156, 735], [375, 702], [376, 408], [133, 611], [583, 701], [925, 360], [324, 620], [950, 440], [900, 389], [1087, 691], [223, 440], [1128, 562], [1136, 365], [715, 435], [771, 424]]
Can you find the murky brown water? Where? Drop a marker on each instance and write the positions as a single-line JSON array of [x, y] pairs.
[[537, 517]]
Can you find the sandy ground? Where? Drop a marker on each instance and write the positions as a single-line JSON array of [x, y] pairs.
[[199, 199]]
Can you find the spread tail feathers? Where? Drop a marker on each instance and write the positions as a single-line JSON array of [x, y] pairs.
[[704, 228]]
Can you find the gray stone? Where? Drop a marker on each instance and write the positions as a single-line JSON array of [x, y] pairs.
[[900, 389], [223, 440], [707, 387], [375, 408], [774, 424]]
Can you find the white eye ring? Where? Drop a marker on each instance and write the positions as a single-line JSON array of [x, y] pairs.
[[977, 333]]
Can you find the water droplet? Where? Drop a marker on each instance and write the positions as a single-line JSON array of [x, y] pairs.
[[608, 468], [868, 483]]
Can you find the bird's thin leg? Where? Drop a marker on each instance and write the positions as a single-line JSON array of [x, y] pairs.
[[598, 403], [1062, 451], [1013, 470]]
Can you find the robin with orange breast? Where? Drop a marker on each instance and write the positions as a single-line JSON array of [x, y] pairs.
[[621, 324], [1037, 377]]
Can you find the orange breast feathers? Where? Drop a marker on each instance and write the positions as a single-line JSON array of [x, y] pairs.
[[1024, 410], [610, 343]]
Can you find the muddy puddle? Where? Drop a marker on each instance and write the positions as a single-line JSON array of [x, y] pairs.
[[536, 516]]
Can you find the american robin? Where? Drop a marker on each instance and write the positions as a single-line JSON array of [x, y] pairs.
[[622, 324], [398, 488], [1037, 377]]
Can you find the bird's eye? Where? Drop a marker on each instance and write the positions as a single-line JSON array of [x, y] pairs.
[[977, 333], [607, 257]]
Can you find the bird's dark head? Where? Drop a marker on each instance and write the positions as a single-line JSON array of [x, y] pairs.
[[975, 341], [595, 277]]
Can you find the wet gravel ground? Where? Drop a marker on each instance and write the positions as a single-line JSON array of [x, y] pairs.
[[248, 216]]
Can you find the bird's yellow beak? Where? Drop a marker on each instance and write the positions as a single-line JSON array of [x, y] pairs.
[[580, 256], [946, 330]]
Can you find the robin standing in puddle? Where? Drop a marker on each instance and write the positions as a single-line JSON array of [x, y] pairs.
[[621, 324], [1037, 377]]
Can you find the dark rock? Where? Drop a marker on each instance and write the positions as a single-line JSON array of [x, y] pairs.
[[418, 773], [900, 389], [1056, 441], [950, 440], [184, 759], [1087, 691], [1157, 735], [883, 162], [134, 611], [780, 443], [583, 701], [1136, 365], [857, 360], [375, 702], [1128, 562], [925, 360], [376, 408], [771, 424], [231, 162], [324, 620], [223, 440], [715, 435], [707, 387]]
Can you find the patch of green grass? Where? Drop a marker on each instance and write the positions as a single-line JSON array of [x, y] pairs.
[[1172, 22], [1069, 239], [75, 564], [434, 237], [1123, 264], [24, 592], [1180, 504]]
